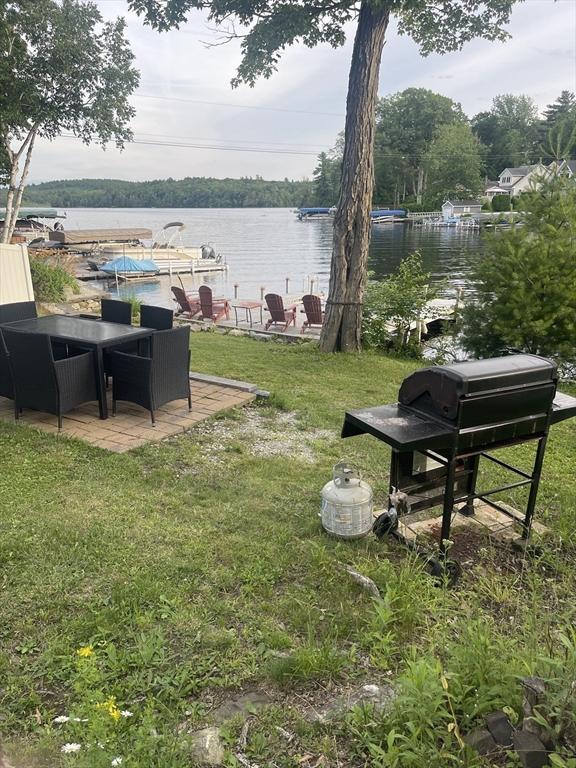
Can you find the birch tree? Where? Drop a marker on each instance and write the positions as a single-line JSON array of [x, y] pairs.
[[267, 27], [62, 69]]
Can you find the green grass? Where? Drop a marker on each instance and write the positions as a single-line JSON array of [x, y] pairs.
[[194, 569]]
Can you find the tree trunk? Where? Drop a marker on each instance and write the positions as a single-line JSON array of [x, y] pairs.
[[420, 185], [341, 330], [16, 187]]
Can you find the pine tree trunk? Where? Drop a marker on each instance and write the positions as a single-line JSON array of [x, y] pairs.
[[342, 326]]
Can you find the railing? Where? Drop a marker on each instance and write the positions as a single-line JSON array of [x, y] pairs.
[[424, 214]]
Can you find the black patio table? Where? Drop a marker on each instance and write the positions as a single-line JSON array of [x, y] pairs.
[[95, 335]]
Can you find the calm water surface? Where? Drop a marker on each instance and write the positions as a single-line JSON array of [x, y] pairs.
[[264, 246]]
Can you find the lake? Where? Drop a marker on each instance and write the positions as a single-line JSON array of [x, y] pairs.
[[264, 246]]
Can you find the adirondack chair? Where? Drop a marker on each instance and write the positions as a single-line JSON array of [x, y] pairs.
[[210, 309], [278, 314], [186, 305], [313, 311]]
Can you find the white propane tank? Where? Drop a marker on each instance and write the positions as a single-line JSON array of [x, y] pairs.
[[346, 504]]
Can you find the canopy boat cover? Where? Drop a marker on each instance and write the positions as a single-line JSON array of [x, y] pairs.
[[35, 213], [126, 235], [124, 265]]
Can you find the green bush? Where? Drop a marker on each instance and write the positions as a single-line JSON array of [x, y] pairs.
[[50, 282], [501, 203], [526, 281], [392, 305]]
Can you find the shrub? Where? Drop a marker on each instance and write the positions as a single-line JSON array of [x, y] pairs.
[[501, 203], [392, 305], [49, 281], [526, 281]]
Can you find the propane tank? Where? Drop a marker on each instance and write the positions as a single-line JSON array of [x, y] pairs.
[[346, 504]]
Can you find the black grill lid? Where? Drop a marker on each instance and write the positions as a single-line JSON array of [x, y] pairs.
[[444, 385]]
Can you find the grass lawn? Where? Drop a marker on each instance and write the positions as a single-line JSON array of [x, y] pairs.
[[139, 591]]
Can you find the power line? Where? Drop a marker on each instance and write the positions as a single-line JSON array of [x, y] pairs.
[[237, 106]]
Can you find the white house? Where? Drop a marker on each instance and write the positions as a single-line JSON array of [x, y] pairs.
[[513, 181], [461, 208]]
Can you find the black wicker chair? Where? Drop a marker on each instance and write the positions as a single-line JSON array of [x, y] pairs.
[[156, 317], [6, 384], [113, 311], [155, 380], [43, 383], [20, 310]]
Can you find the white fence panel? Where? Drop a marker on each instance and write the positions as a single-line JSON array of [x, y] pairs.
[[15, 278]]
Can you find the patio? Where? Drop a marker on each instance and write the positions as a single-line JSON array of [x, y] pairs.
[[131, 427]]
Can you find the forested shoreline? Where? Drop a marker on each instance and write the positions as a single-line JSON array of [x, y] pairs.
[[171, 193]]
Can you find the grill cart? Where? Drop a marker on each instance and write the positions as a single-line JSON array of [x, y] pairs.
[[450, 416]]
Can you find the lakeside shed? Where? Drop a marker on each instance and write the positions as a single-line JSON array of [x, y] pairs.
[[453, 208]]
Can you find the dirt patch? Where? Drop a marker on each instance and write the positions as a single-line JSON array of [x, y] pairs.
[[263, 434]]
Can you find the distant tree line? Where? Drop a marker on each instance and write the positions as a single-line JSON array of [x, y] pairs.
[[171, 193], [427, 149]]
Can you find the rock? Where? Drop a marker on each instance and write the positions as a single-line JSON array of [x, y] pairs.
[[481, 741], [531, 751], [500, 728], [377, 696], [236, 332], [242, 705], [534, 690], [207, 747]]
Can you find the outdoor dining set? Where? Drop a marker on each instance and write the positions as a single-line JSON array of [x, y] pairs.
[[55, 363]]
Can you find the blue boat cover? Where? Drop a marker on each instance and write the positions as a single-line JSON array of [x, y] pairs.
[[124, 264], [388, 212]]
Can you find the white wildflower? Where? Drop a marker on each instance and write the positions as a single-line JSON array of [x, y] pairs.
[[61, 719], [126, 713], [71, 747], [116, 761], [79, 719]]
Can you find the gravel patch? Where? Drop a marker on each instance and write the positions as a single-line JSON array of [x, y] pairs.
[[265, 435]]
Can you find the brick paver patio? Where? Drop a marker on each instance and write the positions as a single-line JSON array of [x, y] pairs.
[[131, 427]]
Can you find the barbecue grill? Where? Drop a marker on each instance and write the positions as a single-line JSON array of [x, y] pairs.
[[450, 416]]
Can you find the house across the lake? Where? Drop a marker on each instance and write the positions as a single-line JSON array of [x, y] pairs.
[[455, 208]]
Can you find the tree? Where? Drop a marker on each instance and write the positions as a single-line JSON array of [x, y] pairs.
[[509, 131], [271, 26], [526, 281], [558, 128], [325, 183], [454, 163], [406, 124], [62, 69]]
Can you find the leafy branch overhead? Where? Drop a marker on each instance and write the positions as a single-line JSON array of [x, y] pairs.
[[270, 27]]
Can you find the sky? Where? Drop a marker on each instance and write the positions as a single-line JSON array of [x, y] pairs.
[[185, 96]]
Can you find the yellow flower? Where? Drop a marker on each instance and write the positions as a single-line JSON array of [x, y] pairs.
[[86, 651], [110, 706]]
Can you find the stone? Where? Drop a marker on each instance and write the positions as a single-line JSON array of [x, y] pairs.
[[481, 741], [380, 697], [207, 747], [236, 332], [500, 728], [241, 705], [531, 751]]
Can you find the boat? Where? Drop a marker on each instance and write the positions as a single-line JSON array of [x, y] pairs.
[[166, 248], [388, 215], [380, 215], [131, 270], [35, 225]]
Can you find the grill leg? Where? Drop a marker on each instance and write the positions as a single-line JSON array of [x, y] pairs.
[[448, 506], [394, 470], [468, 509], [537, 471]]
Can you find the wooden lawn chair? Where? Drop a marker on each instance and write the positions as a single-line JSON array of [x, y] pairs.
[[186, 305], [278, 314], [313, 311], [212, 310]]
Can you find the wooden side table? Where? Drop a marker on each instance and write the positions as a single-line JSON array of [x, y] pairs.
[[248, 306]]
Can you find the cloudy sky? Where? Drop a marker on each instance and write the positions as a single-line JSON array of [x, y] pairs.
[[185, 96]]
